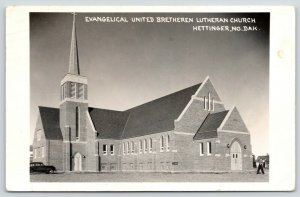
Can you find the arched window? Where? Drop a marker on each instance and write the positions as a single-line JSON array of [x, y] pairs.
[[162, 143], [150, 145], [168, 143], [77, 118]]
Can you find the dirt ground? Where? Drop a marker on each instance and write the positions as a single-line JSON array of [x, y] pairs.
[[151, 177]]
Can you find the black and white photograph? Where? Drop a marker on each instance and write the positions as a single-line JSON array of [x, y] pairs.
[[149, 96], [161, 96]]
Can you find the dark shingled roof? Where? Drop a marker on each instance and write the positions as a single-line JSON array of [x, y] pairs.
[[158, 115], [149, 118], [108, 123], [209, 127], [50, 122]]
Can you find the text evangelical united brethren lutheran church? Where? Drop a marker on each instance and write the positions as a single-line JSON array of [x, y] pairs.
[[189, 130]]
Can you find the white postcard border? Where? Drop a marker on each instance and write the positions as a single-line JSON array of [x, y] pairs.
[[282, 102]]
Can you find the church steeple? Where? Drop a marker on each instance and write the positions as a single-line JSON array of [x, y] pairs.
[[74, 61]]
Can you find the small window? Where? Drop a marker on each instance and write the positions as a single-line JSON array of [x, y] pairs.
[[212, 105], [145, 146], [150, 145], [168, 143], [124, 150], [104, 149], [140, 146], [80, 91], [208, 148], [73, 90], [162, 143], [112, 150], [201, 148], [128, 148], [205, 103], [132, 147]]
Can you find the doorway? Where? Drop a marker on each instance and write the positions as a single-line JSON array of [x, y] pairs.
[[77, 162], [236, 156]]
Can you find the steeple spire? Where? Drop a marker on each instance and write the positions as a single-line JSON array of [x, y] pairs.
[[74, 61]]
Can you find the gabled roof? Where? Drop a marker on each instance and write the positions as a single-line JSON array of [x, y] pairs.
[[149, 118], [50, 122], [108, 123], [208, 128], [157, 115]]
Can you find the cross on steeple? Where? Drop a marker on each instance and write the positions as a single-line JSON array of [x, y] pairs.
[[74, 60]]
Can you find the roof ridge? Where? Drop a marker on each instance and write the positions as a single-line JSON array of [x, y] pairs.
[[164, 96], [105, 109]]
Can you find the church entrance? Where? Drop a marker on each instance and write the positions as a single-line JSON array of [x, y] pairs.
[[77, 162], [236, 156]]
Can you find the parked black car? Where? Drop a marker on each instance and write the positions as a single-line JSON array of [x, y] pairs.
[[40, 167]]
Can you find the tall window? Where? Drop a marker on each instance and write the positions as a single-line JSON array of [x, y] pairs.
[[132, 147], [209, 102], [128, 148], [162, 143], [208, 148], [124, 150], [104, 149], [38, 135], [112, 150], [201, 148], [150, 145], [73, 90], [168, 143], [145, 146], [140, 146], [77, 123], [80, 91], [62, 92]]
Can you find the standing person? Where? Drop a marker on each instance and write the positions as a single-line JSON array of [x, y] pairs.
[[260, 167]]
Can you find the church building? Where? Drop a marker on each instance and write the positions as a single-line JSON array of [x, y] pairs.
[[186, 131]]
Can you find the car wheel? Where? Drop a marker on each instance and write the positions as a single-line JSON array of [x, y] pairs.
[[51, 171]]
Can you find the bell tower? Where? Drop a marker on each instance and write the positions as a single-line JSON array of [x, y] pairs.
[[73, 108]]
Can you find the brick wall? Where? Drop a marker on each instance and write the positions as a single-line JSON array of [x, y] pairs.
[[54, 153]]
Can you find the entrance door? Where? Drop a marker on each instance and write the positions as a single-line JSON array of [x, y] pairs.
[[77, 162], [236, 156]]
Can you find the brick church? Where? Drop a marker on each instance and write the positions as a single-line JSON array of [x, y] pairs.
[[186, 131]]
